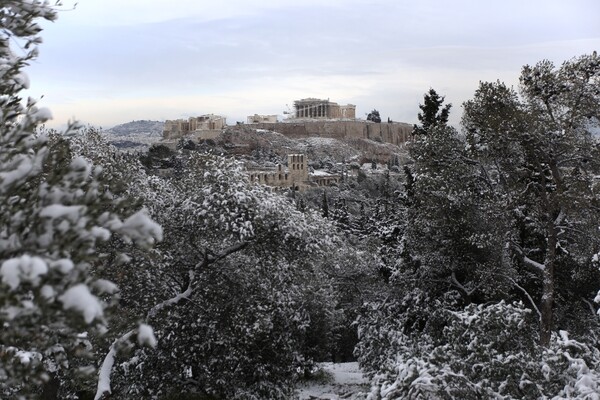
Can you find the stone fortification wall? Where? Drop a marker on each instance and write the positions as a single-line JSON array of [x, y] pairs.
[[395, 132], [206, 134]]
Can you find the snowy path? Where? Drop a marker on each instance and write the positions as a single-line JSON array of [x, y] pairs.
[[347, 382]]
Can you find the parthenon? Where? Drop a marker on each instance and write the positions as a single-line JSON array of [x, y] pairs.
[[323, 109]]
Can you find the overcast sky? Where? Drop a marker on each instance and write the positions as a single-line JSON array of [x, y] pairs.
[[112, 61]]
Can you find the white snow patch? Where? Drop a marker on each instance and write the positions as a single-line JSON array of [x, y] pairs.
[[100, 233], [347, 382], [55, 211], [23, 166], [41, 114], [80, 299], [106, 368], [139, 227], [146, 336], [105, 286], [24, 268], [319, 172], [64, 265], [104, 374], [322, 141], [25, 357], [23, 80], [47, 292]]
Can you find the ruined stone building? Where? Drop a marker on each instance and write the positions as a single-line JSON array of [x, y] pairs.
[[312, 118], [312, 108], [296, 175], [203, 124]]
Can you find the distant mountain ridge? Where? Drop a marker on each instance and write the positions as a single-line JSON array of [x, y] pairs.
[[142, 127]]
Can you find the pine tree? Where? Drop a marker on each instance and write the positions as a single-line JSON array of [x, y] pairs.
[[325, 205], [433, 114], [374, 116], [540, 158]]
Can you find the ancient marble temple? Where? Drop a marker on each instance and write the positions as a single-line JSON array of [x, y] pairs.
[[312, 108]]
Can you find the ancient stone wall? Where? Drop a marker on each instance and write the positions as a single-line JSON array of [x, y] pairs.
[[206, 134], [256, 118], [395, 132]]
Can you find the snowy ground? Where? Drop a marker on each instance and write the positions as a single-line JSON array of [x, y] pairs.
[[347, 382]]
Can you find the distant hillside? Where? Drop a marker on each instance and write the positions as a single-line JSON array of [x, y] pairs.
[[149, 128]]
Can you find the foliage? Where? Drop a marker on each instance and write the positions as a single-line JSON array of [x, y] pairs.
[[500, 237], [158, 156], [223, 236], [462, 281], [54, 215], [450, 240], [483, 351], [539, 158], [432, 113], [374, 116]]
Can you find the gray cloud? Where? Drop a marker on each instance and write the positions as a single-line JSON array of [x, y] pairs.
[[382, 54]]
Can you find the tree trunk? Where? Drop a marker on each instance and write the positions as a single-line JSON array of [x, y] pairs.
[[547, 303]]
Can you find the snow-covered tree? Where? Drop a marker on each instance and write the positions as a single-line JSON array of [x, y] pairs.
[[540, 159], [374, 116], [222, 236], [450, 240], [54, 213], [432, 113], [485, 351], [501, 236]]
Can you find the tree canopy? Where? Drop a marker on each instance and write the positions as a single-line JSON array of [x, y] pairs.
[[472, 273]]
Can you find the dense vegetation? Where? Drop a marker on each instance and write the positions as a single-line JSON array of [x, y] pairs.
[[468, 272]]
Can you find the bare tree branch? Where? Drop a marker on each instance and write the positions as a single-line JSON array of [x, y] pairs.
[[460, 286], [207, 259], [590, 305], [537, 310], [539, 267]]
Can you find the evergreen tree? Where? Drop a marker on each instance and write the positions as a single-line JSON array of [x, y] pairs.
[[432, 113], [501, 236], [325, 205], [540, 157], [446, 235], [223, 236], [374, 116], [340, 214]]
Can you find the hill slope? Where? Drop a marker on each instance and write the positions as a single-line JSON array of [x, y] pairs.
[[143, 127]]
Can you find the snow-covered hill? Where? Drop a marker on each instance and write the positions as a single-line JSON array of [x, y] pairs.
[[143, 127]]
